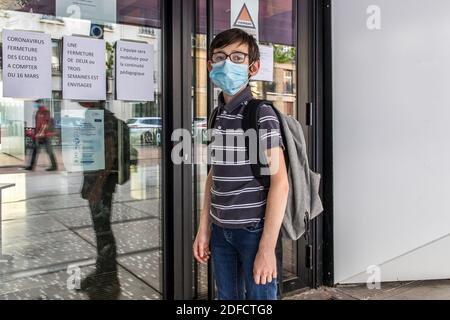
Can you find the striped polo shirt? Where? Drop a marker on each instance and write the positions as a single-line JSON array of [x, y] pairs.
[[238, 199]]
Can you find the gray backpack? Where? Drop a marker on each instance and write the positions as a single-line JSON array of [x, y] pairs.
[[304, 203]]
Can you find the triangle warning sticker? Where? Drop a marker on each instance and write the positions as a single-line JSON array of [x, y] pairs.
[[244, 19]]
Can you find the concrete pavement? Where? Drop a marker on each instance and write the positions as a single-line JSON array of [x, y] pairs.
[[413, 290]]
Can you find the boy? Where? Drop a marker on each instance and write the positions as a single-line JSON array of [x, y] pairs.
[[241, 219]]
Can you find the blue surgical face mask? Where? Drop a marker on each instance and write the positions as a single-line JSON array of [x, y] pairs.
[[229, 76]]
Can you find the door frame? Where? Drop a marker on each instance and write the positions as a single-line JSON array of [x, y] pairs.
[[306, 110], [177, 80], [306, 43], [314, 110], [313, 34], [324, 17]]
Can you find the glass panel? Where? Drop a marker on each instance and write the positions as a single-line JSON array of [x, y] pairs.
[[276, 28], [84, 215], [199, 132]]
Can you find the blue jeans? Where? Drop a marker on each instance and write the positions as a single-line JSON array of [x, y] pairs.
[[233, 255]]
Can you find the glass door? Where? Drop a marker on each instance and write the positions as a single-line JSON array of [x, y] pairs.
[[200, 123], [276, 26], [83, 216]]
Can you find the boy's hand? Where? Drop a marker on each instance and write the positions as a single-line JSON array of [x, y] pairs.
[[201, 245], [265, 267]]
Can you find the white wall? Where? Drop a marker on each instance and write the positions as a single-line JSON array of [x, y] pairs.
[[392, 140]]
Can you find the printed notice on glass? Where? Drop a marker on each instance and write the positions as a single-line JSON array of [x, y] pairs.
[[134, 71], [84, 68], [27, 66], [267, 64], [83, 142]]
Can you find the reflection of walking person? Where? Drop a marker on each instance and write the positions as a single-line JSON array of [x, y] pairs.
[[98, 188], [42, 137]]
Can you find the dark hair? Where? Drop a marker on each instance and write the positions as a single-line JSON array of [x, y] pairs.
[[239, 36]]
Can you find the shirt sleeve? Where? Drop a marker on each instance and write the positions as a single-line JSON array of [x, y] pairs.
[[269, 129]]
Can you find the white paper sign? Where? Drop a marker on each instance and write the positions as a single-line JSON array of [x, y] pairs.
[[83, 140], [245, 15], [96, 10], [267, 64], [84, 68], [27, 66], [134, 71]]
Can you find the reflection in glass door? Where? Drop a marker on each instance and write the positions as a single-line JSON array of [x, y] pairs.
[[65, 226]]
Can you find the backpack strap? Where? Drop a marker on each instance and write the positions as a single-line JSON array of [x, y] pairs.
[[212, 118], [250, 122], [211, 122]]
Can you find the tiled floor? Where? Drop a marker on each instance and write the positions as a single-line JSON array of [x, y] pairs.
[[49, 233], [53, 286], [138, 236], [146, 266], [413, 290]]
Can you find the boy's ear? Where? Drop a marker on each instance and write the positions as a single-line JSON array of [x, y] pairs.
[[254, 69], [209, 65]]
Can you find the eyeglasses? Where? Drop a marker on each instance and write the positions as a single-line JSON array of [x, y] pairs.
[[236, 57]]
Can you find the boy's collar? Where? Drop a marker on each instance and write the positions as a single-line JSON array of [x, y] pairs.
[[245, 96]]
